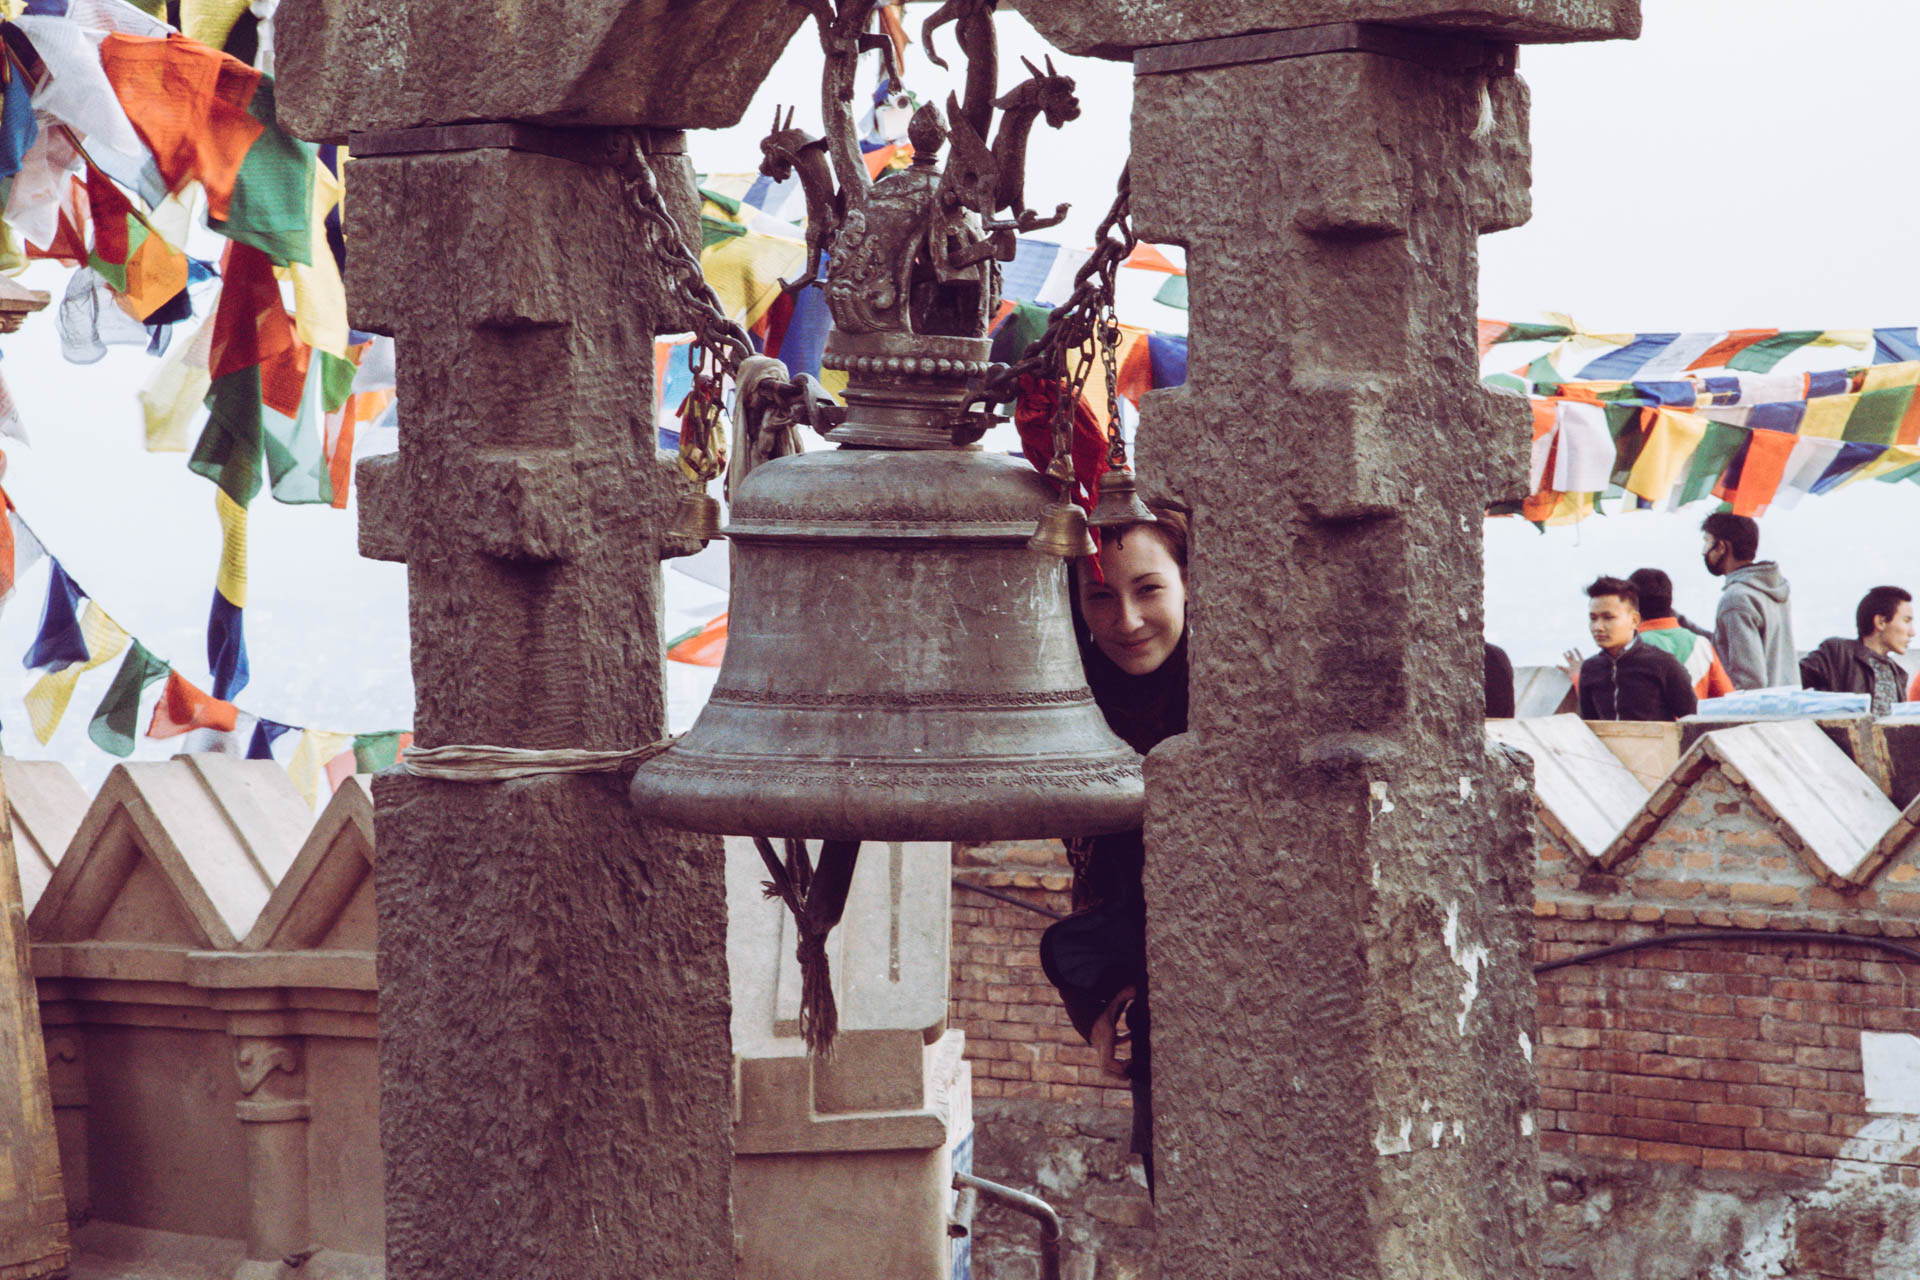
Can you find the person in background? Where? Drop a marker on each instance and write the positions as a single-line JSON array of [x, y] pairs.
[[1499, 677], [1884, 621], [1752, 631], [1628, 679], [1664, 629]]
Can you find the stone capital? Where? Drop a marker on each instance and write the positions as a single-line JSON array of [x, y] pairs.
[[1120, 28]]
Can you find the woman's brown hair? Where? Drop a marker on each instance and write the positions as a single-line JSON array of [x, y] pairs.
[[1169, 522]]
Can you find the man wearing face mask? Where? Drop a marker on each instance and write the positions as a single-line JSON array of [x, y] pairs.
[[1752, 630]]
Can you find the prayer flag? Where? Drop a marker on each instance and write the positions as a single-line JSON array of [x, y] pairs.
[[310, 756], [189, 104], [264, 733], [227, 647], [701, 647], [18, 129], [183, 708], [373, 752], [60, 640], [272, 207], [118, 717], [47, 699]]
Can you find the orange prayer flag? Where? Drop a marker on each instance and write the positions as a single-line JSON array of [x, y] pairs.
[[1135, 375], [1146, 257], [1760, 472], [702, 648], [1736, 341], [183, 708], [7, 554], [189, 105], [155, 274], [340, 461], [283, 377]]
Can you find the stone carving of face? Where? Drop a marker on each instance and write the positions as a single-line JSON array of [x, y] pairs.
[[1136, 617]]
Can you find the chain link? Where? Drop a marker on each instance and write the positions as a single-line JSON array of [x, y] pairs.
[[713, 330], [1078, 322]]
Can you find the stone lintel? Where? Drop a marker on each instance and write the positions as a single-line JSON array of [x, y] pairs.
[[1121, 29], [352, 66]]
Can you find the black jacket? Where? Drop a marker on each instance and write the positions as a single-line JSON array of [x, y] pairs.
[[1642, 683], [1841, 665]]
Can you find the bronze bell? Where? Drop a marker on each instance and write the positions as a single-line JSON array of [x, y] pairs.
[[899, 665], [696, 515], [1119, 501], [1062, 532]]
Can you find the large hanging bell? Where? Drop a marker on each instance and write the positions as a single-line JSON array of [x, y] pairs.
[[899, 665]]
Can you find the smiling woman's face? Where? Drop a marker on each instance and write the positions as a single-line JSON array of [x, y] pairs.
[[1137, 615]]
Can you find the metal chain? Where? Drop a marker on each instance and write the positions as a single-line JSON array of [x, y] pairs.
[[1077, 322], [713, 330]]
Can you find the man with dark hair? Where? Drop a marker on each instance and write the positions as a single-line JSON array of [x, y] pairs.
[[1628, 679], [1662, 628], [1751, 629], [1884, 621], [1499, 677]]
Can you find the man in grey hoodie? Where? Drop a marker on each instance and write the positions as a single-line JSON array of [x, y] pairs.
[[1751, 628]]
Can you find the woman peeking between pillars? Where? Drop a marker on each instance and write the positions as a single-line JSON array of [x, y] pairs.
[[1130, 618]]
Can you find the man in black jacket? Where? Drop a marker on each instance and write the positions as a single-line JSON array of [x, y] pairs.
[[1884, 620], [1628, 679]]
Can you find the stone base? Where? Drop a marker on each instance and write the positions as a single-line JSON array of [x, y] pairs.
[[112, 1251]]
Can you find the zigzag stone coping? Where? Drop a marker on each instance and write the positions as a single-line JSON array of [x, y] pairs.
[[46, 804]]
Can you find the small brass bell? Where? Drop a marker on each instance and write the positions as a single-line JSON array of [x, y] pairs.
[[1062, 532], [697, 516], [1119, 501]]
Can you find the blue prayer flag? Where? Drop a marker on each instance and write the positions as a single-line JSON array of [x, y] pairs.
[[60, 642]]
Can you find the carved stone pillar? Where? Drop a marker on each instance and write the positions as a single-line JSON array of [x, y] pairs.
[[1337, 877], [555, 1075], [273, 1112]]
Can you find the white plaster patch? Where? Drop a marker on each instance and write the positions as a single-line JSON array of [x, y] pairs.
[[1890, 1061], [1382, 806], [1439, 1132], [1460, 1131], [1526, 1046], [1388, 1144], [1376, 875], [1466, 787], [1469, 958], [1526, 1124]]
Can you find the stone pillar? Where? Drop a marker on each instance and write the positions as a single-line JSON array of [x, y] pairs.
[[555, 1075], [1337, 876], [67, 1082], [273, 1112]]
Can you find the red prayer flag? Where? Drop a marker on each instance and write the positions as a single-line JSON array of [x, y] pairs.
[[183, 708], [250, 324], [702, 648]]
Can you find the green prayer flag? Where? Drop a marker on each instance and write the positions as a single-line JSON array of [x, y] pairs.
[[1876, 416], [272, 205], [373, 752], [1768, 352], [714, 231], [336, 380], [228, 452], [115, 273], [1173, 293], [117, 720], [1717, 446]]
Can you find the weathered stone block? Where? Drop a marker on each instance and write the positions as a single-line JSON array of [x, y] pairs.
[[1119, 28], [350, 66]]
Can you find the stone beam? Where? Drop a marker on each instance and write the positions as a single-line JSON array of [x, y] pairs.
[[555, 1065], [353, 66], [1121, 28], [1337, 870]]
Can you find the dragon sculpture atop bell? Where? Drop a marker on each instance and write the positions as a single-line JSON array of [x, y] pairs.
[[900, 666]]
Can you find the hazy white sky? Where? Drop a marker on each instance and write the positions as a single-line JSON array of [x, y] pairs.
[[1733, 168]]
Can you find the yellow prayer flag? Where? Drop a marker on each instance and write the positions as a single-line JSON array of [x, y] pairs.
[[1826, 416], [1664, 457], [1886, 377], [309, 763], [745, 272], [210, 21], [231, 580], [1896, 457], [169, 402], [319, 296], [47, 699]]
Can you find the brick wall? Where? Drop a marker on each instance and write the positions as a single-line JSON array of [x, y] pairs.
[[1018, 1037]]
